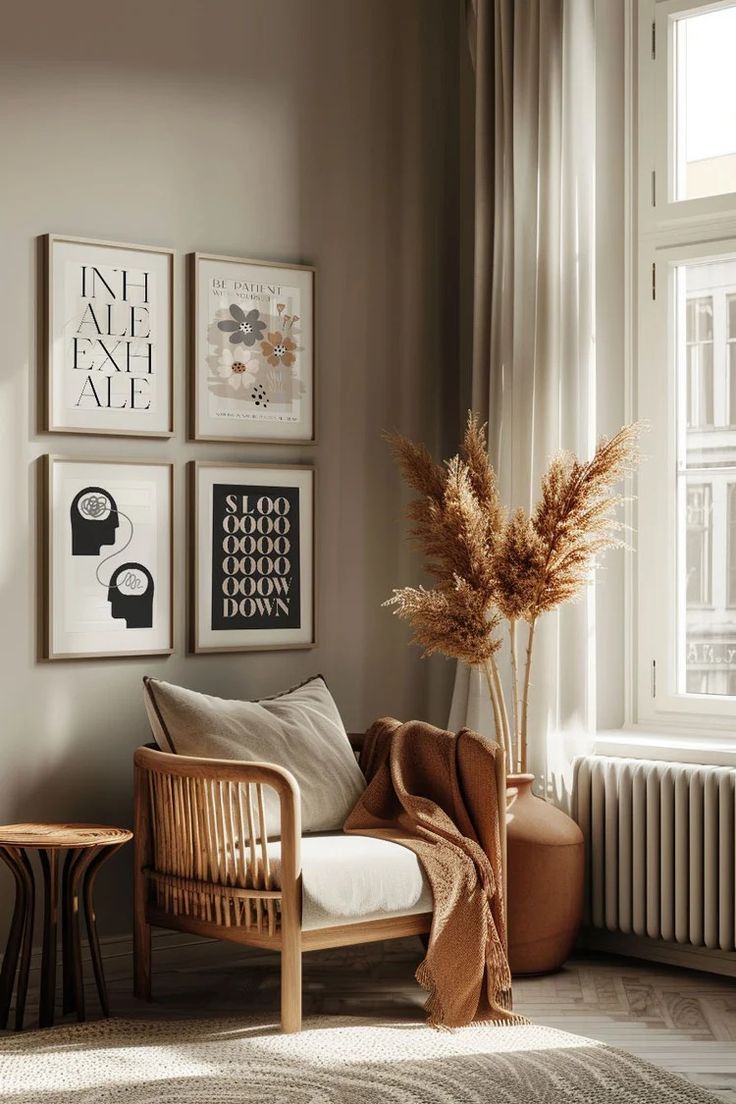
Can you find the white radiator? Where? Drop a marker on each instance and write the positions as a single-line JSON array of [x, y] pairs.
[[660, 849]]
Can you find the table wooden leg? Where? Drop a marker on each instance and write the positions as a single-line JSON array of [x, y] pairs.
[[25, 958], [47, 1000], [103, 853], [67, 983], [12, 948], [74, 870]]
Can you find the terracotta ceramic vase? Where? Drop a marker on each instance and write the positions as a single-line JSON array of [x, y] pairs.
[[545, 880]]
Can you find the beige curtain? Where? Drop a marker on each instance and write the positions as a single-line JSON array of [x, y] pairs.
[[533, 326]]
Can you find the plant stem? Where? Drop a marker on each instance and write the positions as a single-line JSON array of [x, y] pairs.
[[504, 713], [523, 763], [516, 748], [497, 716]]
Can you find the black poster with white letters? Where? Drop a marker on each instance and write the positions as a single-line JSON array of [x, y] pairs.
[[255, 557]]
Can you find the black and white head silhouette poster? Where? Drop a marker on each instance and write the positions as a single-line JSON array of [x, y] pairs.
[[110, 558], [254, 557], [109, 332]]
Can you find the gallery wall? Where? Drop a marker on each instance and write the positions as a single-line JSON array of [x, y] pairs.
[[321, 132]]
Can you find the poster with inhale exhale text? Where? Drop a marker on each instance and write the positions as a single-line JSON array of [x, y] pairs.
[[109, 330]]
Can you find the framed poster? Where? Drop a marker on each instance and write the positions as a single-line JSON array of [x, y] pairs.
[[109, 323], [254, 557], [253, 364], [110, 561]]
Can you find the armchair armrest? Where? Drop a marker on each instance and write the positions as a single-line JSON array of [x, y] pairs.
[[202, 844], [357, 739]]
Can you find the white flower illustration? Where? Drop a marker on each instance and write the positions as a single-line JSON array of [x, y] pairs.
[[239, 373]]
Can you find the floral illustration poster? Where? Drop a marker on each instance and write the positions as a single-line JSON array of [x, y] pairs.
[[254, 350]]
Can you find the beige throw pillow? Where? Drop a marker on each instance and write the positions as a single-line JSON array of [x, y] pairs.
[[301, 730]]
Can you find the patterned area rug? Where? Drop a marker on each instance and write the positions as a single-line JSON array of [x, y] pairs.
[[333, 1061]]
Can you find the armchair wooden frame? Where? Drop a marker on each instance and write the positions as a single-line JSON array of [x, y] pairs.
[[202, 865]]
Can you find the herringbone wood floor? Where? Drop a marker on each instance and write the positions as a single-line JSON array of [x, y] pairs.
[[682, 1020]]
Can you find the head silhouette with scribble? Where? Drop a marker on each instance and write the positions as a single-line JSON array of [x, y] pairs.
[[94, 516], [130, 594]]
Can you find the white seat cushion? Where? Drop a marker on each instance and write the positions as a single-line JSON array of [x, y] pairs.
[[347, 879]]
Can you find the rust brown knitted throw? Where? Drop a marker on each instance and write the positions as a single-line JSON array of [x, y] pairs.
[[435, 792]]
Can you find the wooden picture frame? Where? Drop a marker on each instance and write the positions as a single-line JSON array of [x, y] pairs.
[[79, 543], [109, 349], [268, 395], [254, 626]]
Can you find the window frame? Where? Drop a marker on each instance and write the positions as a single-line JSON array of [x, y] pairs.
[[656, 127], [663, 233]]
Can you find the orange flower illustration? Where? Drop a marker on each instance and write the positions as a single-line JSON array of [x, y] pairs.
[[278, 350]]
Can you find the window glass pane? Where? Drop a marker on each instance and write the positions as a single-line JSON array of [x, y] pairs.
[[731, 300], [704, 315], [699, 338], [698, 561], [707, 470], [731, 358], [731, 505], [706, 104], [705, 383]]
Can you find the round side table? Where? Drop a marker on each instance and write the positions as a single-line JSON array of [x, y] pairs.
[[87, 847]]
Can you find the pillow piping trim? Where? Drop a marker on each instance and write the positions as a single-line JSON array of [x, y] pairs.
[[147, 682], [283, 693]]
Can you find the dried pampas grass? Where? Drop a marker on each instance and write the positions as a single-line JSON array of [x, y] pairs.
[[491, 568]]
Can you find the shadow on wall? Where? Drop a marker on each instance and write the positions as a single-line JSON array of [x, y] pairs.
[[323, 132], [394, 305]]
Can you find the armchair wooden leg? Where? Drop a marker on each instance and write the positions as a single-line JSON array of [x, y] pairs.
[[141, 927], [142, 956], [291, 982], [141, 940]]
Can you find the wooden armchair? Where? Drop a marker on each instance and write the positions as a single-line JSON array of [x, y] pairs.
[[203, 864]]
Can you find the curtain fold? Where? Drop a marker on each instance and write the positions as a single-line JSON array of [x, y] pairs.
[[534, 311]]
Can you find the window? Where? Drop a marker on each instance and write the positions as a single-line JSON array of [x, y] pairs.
[[700, 361], [731, 549], [685, 636], [699, 537], [705, 108], [731, 354]]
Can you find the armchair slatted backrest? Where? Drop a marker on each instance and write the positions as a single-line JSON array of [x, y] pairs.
[[208, 855]]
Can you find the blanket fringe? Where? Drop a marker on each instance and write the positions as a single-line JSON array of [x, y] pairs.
[[435, 1010], [514, 1020]]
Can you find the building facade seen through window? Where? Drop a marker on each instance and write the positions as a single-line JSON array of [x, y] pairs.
[[710, 476]]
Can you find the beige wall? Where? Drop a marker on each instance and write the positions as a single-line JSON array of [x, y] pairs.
[[314, 130]]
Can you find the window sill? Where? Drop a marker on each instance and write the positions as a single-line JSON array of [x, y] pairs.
[[635, 743]]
